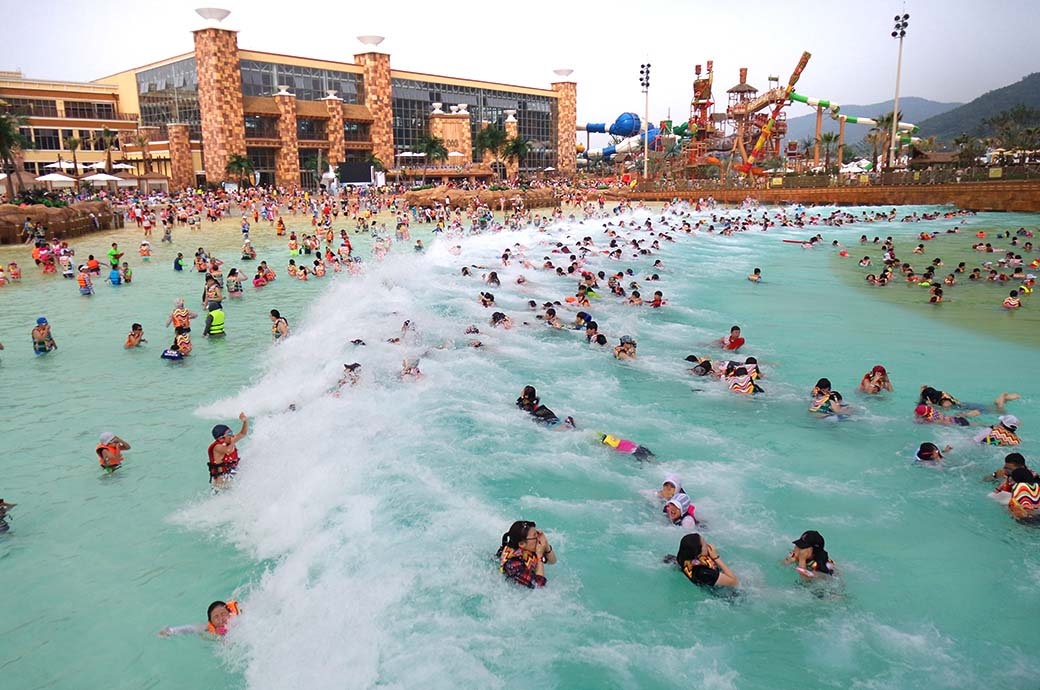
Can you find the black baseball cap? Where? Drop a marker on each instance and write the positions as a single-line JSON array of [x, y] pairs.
[[810, 539]]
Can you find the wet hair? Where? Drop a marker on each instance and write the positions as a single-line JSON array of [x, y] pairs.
[[276, 314], [734, 328], [824, 384], [517, 533], [1023, 475], [213, 607], [601, 339], [689, 548], [1016, 459], [930, 395], [135, 327]]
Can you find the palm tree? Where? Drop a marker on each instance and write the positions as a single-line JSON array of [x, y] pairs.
[[516, 149], [828, 140], [107, 137], [969, 149], [73, 144], [493, 140], [11, 140], [240, 168], [140, 141], [373, 160], [434, 150]]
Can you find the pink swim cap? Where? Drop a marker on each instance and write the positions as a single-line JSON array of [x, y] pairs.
[[921, 410]]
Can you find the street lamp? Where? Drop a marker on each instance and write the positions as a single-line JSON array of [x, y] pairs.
[[898, 31], [644, 81]]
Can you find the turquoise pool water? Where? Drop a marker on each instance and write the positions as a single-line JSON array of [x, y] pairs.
[[359, 533]]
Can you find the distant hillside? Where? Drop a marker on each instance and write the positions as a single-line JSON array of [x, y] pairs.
[[967, 119], [914, 110]]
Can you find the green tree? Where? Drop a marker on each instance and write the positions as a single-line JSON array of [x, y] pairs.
[[434, 150], [107, 138], [828, 140], [968, 149], [73, 144], [516, 149], [141, 141], [373, 160], [240, 168], [493, 140], [11, 140]]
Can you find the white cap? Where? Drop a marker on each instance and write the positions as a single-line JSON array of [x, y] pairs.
[[106, 437], [1009, 420]]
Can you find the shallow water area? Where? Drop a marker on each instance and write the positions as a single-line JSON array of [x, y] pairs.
[[360, 531]]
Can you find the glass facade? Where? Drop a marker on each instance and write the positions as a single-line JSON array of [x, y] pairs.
[[412, 103], [356, 131], [170, 94], [87, 110], [46, 139], [306, 83], [310, 129], [33, 107], [261, 126]]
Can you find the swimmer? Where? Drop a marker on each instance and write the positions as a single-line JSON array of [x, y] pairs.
[[1012, 301], [1024, 504], [110, 451], [351, 375], [658, 300], [1003, 433], [701, 563], [180, 317], [410, 369], [930, 453], [756, 275], [279, 326], [4, 507], [670, 486], [932, 396], [622, 445], [43, 341], [500, 319], [875, 381], [524, 553], [680, 511], [702, 365], [223, 453], [1012, 461], [530, 403], [626, 349], [214, 321], [135, 337], [733, 341], [809, 556], [218, 615], [926, 414]]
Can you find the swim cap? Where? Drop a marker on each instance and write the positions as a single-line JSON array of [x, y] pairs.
[[1009, 420], [221, 430], [41, 321], [674, 480], [106, 437], [921, 410], [627, 339]]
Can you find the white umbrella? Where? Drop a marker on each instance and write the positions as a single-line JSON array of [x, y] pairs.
[[64, 165], [405, 154], [456, 154], [55, 177], [549, 169], [122, 166], [100, 165], [100, 177]]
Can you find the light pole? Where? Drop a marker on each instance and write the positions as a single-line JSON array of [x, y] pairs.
[[644, 81], [899, 31]]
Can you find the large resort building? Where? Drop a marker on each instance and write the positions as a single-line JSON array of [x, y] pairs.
[[183, 118]]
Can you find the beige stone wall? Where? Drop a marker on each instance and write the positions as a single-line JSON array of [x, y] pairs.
[[454, 130], [182, 172], [512, 127], [379, 102], [220, 99], [334, 127], [287, 162], [566, 127]]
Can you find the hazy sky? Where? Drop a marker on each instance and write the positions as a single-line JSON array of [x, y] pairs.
[[955, 49]]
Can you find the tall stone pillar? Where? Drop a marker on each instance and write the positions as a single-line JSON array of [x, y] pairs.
[[566, 127], [454, 130], [182, 173], [220, 99], [287, 163], [378, 100], [512, 127], [334, 130]]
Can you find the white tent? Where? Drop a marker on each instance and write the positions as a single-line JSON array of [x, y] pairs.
[[97, 178]]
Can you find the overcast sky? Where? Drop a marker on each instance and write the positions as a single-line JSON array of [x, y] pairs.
[[955, 50]]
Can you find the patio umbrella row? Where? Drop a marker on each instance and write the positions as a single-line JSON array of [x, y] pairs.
[[100, 165]]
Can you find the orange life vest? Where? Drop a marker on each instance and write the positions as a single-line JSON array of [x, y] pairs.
[[232, 607], [82, 280], [1000, 435], [114, 461], [181, 318]]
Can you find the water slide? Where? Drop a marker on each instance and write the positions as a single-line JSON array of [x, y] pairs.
[[628, 125], [835, 109]]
